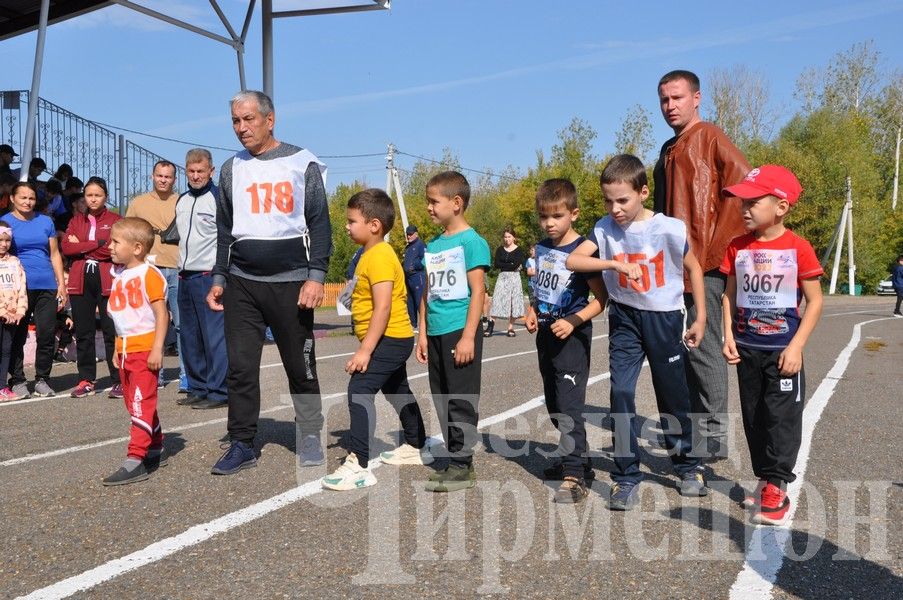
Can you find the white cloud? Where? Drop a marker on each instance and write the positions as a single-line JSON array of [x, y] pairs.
[[121, 17]]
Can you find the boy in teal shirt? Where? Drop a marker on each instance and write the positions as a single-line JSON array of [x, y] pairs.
[[449, 320]]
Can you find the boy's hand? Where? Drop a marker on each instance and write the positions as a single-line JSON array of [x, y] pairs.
[[464, 351], [116, 360], [791, 360], [632, 270], [421, 348], [729, 350], [562, 328], [694, 334], [358, 362], [530, 321], [155, 359]]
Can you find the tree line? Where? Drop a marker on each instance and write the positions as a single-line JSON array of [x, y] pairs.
[[849, 124]]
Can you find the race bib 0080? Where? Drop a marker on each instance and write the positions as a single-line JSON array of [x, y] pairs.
[[552, 276]]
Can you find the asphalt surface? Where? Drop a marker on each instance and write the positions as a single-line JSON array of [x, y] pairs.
[[194, 535]]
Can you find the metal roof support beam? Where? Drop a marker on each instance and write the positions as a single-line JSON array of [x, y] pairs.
[[34, 94], [266, 28], [172, 21], [377, 5]]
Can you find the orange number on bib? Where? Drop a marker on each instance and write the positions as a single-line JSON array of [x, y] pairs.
[[279, 195], [131, 295], [644, 284]]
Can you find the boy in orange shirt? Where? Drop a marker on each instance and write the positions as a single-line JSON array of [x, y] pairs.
[[137, 306]]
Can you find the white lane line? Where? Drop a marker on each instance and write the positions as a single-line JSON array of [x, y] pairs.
[[204, 531], [757, 577], [50, 454], [877, 309], [105, 390]]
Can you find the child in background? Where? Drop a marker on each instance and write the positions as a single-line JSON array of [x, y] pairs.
[[450, 307], [383, 326], [13, 303], [769, 270], [137, 306]]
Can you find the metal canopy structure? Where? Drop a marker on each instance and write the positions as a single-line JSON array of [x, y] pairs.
[[22, 16]]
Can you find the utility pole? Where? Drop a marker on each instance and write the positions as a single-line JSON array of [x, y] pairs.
[[846, 224], [393, 181], [893, 203]]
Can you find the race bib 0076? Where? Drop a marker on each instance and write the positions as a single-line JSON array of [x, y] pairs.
[[446, 275], [766, 278]]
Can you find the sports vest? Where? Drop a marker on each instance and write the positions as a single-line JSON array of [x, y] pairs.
[[658, 246], [129, 305], [268, 196]]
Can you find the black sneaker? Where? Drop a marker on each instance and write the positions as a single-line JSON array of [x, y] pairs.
[[209, 403], [556, 472], [452, 478], [623, 495], [189, 399], [156, 459], [571, 491], [239, 456], [123, 476]]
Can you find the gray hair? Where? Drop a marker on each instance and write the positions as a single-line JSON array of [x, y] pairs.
[[264, 104], [197, 155]]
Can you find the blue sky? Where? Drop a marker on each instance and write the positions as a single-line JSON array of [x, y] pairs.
[[493, 80]]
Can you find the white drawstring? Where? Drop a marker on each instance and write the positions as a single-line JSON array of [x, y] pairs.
[[90, 265]]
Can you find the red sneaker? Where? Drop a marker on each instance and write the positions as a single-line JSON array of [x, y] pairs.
[[84, 388], [751, 499], [774, 507]]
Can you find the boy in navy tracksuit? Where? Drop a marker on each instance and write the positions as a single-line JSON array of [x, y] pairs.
[[646, 320], [561, 315]]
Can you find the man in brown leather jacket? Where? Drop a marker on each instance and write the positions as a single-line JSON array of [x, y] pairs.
[[693, 168]]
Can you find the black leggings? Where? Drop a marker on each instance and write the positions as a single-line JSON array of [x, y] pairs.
[[42, 304], [85, 306]]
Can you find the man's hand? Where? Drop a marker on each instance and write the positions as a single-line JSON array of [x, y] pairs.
[[73, 239], [358, 362], [421, 347], [215, 298], [311, 295]]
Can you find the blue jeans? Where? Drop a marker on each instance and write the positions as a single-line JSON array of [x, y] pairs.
[[203, 337], [172, 299]]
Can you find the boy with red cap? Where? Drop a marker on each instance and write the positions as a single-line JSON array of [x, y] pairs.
[[768, 271]]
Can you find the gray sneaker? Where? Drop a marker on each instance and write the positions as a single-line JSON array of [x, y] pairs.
[[42, 389], [692, 483], [21, 390], [310, 454]]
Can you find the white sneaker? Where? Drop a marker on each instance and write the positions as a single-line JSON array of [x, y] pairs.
[[408, 455], [350, 476]]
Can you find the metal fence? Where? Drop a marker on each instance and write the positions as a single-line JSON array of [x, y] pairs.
[[90, 149]]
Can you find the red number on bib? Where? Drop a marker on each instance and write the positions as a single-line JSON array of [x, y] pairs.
[[131, 295], [283, 198]]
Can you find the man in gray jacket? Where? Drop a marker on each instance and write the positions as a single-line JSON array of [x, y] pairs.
[[202, 331]]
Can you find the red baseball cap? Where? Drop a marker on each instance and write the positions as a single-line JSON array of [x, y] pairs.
[[768, 180]]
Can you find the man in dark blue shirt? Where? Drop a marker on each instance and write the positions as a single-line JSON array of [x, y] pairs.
[[413, 271]]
